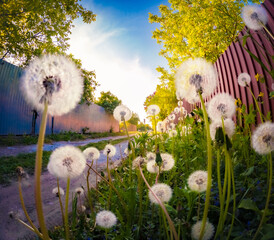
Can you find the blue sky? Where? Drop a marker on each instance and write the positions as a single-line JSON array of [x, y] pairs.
[[119, 47]]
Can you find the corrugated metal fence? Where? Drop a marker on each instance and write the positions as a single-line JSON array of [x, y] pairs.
[[16, 116]]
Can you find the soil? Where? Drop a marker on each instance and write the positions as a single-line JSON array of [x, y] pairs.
[[11, 229]]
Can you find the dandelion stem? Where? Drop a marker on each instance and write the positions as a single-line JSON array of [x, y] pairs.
[[66, 210], [209, 168], [265, 28], [257, 106], [25, 210], [269, 178], [171, 225], [28, 226], [60, 201], [37, 174]]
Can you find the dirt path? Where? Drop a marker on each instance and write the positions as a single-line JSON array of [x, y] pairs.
[[14, 150], [9, 200]]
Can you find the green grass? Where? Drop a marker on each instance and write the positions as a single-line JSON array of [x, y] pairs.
[[27, 161], [11, 140]]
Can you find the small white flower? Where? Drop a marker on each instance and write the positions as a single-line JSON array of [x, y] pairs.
[[244, 79], [106, 219], [83, 208], [196, 230], [160, 126], [109, 150], [171, 117], [221, 105], [229, 127], [197, 181], [195, 75], [263, 138], [151, 156], [66, 162], [79, 191], [254, 16], [177, 110], [122, 113], [172, 133], [53, 79], [139, 161], [153, 110], [162, 191], [55, 191], [91, 153]]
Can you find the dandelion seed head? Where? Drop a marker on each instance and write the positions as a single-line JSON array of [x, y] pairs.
[[91, 153], [66, 162], [262, 139], [193, 76], [139, 161], [109, 150], [106, 219], [122, 113], [229, 127], [253, 15], [172, 133], [197, 181], [244, 79], [152, 167], [53, 79], [167, 162], [79, 191], [55, 191], [221, 105], [171, 117], [196, 230], [160, 126], [177, 110], [153, 110], [162, 191], [151, 156]]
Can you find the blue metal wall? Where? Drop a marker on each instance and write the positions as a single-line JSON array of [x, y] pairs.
[[16, 115]]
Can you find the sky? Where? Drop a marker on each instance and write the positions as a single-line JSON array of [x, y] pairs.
[[120, 48]]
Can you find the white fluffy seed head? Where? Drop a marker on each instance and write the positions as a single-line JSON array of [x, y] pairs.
[[162, 191], [151, 156], [122, 113], [66, 162], [172, 133], [139, 161], [168, 162], [197, 181], [79, 191], [153, 110], [196, 230], [55, 191], [152, 167], [221, 105], [53, 79], [229, 127], [171, 117], [244, 79], [91, 153], [177, 110], [263, 138], [254, 16], [195, 75], [160, 126], [106, 219], [109, 150]]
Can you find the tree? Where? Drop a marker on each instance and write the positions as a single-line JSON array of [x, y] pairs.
[[30, 28], [108, 101], [134, 119], [197, 28]]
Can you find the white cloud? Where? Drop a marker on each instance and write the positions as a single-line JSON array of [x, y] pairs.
[[125, 77]]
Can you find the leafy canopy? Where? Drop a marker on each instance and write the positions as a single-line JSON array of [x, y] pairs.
[[32, 27], [134, 119], [108, 101]]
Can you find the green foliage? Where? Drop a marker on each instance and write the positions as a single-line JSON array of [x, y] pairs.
[[134, 119], [30, 28], [108, 101]]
